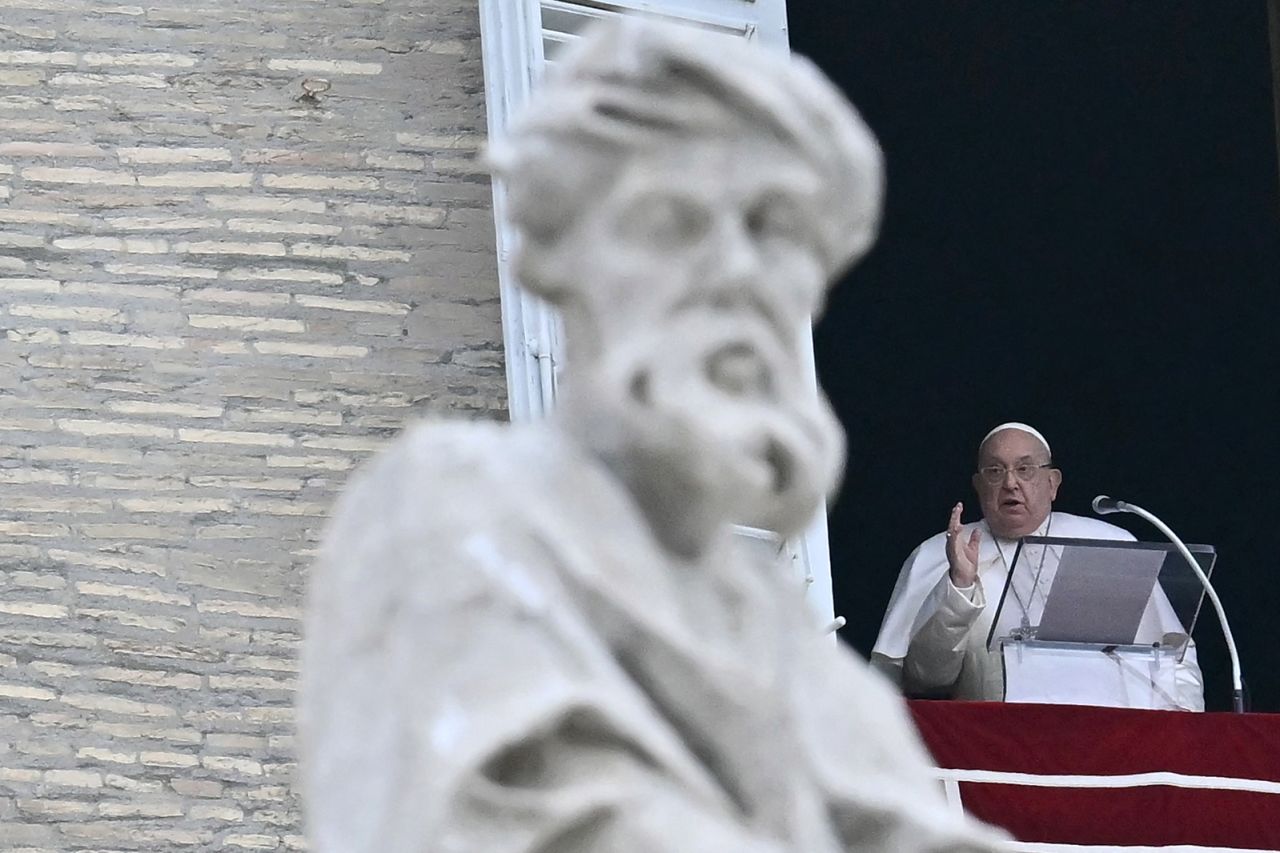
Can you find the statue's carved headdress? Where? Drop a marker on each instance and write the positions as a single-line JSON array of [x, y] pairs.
[[636, 85]]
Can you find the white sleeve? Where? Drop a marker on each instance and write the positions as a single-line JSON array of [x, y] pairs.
[[938, 645]]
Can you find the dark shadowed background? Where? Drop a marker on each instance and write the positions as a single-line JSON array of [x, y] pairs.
[[1083, 232]]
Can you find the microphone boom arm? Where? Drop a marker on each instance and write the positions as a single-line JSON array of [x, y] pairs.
[[1237, 683]]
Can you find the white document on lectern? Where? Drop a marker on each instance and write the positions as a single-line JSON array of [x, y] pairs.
[[1099, 594]]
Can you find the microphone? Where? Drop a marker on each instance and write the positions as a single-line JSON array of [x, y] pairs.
[[1104, 505]]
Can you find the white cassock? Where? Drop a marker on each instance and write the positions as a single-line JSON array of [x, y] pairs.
[[933, 641]]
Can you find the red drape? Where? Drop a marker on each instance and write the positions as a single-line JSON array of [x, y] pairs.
[[1063, 740]]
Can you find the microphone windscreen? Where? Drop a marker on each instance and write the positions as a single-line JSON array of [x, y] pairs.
[[1104, 505]]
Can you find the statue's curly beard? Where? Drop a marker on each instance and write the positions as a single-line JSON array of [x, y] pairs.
[[699, 445]]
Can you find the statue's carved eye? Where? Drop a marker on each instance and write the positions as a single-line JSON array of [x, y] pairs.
[[774, 216], [739, 370], [664, 221]]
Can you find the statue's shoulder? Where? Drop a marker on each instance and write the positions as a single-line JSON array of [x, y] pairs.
[[462, 446], [481, 512], [452, 506], [442, 480], [455, 459]]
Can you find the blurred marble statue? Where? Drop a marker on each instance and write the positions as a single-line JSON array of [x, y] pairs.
[[543, 638]]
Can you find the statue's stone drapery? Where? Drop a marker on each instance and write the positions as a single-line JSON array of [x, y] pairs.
[[543, 639]]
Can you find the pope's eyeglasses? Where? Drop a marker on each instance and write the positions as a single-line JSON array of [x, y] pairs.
[[1024, 471]]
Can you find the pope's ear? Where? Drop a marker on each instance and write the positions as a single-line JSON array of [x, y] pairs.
[[976, 481], [1055, 480]]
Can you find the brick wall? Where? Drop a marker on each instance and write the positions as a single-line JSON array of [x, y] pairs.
[[217, 297]]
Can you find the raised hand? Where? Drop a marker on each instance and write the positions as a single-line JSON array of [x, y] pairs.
[[962, 553]]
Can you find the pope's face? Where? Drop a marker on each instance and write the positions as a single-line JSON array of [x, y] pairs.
[[1014, 507], [699, 272]]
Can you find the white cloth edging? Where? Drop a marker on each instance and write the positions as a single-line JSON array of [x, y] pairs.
[[1046, 847], [1123, 780]]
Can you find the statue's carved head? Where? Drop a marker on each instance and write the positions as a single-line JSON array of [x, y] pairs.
[[686, 199]]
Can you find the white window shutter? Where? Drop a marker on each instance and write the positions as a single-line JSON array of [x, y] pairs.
[[520, 39]]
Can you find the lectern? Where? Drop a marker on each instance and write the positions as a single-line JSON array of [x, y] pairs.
[[1096, 622]]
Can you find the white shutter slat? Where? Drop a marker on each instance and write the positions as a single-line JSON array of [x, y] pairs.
[[568, 19]]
